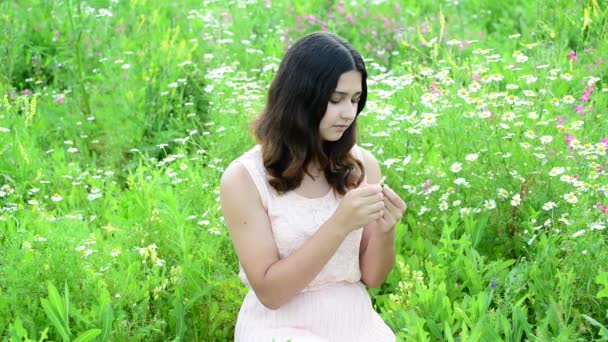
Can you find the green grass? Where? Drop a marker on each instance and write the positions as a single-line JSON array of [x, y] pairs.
[[117, 119]]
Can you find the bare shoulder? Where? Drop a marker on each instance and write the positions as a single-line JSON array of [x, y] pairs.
[[239, 196], [247, 223], [372, 167], [237, 178]]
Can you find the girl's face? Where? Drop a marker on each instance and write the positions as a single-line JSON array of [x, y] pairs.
[[342, 107]]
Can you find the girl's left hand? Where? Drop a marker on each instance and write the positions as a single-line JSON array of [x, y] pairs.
[[394, 207]]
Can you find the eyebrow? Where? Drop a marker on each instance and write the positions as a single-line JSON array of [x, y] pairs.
[[345, 93]]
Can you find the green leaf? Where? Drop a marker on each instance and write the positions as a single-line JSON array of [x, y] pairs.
[[44, 335], [416, 324], [17, 332], [106, 318], [602, 279], [519, 318], [506, 327], [56, 301], [434, 329], [66, 312], [448, 335], [505, 264], [55, 318], [603, 329], [213, 311], [178, 315], [88, 335]]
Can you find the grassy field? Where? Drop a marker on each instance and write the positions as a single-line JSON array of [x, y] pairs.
[[118, 117]]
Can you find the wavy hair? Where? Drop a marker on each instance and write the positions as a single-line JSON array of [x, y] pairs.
[[288, 127]]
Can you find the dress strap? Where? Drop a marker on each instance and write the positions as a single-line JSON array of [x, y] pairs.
[[254, 165]]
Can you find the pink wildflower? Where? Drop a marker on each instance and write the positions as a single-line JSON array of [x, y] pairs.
[[587, 93], [340, 7], [387, 22], [427, 184], [572, 56], [26, 92]]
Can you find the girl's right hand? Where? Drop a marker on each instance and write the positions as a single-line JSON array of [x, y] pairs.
[[360, 206]]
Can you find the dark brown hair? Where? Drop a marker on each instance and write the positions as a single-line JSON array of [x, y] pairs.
[[288, 127]]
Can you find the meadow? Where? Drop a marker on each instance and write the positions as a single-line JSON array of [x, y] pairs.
[[118, 117]]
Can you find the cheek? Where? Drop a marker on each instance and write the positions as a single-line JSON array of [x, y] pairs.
[[330, 115]]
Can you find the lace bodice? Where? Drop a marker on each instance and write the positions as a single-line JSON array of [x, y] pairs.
[[295, 218]]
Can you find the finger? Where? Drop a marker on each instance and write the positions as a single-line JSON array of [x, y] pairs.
[[370, 200], [378, 216], [390, 206], [368, 190], [383, 222], [394, 197], [393, 210], [374, 208]]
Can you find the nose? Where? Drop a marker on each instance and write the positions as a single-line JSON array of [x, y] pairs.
[[349, 111]]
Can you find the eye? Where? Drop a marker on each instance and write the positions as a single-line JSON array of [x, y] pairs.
[[334, 101], [356, 100]]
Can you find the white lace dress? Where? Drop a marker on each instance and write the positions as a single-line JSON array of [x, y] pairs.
[[335, 306]]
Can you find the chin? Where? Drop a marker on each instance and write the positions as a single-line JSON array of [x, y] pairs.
[[332, 138]]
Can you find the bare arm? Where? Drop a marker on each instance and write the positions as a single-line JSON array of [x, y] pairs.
[[377, 250], [274, 280]]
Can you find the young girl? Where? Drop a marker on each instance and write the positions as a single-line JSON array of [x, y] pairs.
[[310, 224]]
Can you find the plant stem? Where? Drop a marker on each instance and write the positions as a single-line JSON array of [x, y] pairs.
[[83, 90]]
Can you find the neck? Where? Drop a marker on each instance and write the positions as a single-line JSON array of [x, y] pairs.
[[314, 170]]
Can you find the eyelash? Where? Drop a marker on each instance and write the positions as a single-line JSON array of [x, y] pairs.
[[336, 102]]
